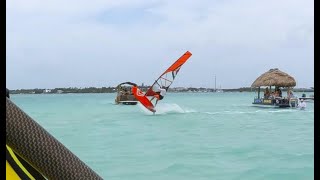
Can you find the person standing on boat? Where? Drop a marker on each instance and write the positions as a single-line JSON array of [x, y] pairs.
[[276, 93], [280, 92], [290, 94], [266, 93]]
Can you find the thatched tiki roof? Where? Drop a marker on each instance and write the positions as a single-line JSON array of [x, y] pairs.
[[274, 77]]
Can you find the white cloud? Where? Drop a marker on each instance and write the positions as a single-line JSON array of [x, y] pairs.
[[239, 37]]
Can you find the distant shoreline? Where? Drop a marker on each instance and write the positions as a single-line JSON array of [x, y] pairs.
[[113, 90]]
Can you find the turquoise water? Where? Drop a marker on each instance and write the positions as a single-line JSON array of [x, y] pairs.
[[192, 136]]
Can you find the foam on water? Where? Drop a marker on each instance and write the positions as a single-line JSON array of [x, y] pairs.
[[166, 108]]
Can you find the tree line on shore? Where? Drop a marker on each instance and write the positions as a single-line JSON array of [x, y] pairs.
[[144, 88]]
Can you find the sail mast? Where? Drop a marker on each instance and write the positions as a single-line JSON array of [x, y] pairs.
[[215, 83]]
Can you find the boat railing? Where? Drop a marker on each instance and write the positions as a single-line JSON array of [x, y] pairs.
[[270, 100]]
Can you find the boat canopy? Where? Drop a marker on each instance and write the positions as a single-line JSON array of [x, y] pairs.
[[274, 77], [127, 83]]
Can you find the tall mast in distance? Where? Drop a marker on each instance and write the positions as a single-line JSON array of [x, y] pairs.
[[215, 83]]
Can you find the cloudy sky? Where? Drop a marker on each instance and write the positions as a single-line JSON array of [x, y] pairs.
[[80, 43]]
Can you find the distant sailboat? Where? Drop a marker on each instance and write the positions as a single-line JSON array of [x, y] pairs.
[[219, 90], [215, 86]]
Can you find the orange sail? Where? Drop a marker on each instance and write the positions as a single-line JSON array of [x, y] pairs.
[[167, 77], [164, 81]]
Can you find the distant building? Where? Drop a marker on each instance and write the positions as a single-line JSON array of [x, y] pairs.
[[59, 91], [177, 89], [47, 91]]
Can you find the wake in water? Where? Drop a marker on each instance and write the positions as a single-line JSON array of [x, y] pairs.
[[172, 108], [165, 108], [258, 111]]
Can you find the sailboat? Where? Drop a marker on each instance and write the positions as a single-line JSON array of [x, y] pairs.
[[219, 90], [215, 85]]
